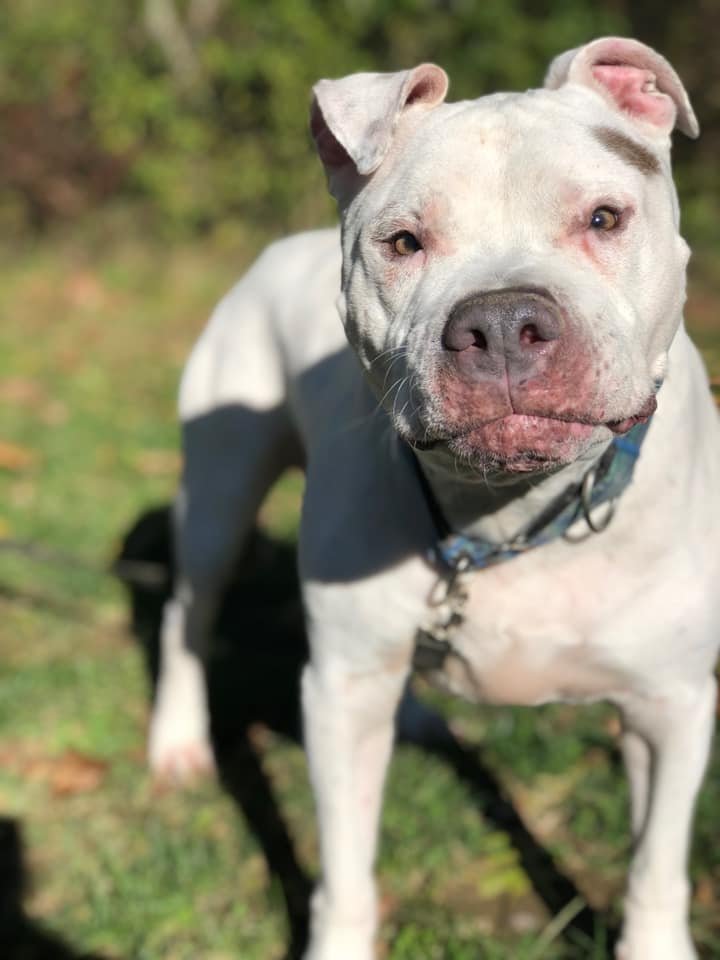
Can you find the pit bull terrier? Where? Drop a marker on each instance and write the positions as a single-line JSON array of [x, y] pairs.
[[513, 475]]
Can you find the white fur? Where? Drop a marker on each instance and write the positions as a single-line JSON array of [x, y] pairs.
[[630, 615]]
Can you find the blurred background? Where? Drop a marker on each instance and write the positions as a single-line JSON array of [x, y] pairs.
[[148, 150], [192, 113]]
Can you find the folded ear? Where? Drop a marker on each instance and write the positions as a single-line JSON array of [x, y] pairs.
[[352, 120], [631, 77]]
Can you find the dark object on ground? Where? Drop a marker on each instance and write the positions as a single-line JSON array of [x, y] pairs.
[[21, 938]]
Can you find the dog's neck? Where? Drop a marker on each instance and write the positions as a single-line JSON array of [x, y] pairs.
[[497, 507]]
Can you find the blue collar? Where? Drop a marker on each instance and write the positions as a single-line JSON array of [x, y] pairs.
[[604, 482]]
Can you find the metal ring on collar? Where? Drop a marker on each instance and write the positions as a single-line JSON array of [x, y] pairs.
[[586, 492]]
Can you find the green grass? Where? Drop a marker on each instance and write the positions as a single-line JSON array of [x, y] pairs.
[[92, 342]]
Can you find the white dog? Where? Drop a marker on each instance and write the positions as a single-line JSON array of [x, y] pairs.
[[532, 509]]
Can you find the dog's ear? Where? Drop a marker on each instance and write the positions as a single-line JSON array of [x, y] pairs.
[[631, 77], [352, 120]]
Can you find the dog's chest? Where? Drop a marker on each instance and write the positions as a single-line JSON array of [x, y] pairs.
[[537, 632]]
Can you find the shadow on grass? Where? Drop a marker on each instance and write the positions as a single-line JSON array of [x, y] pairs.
[[249, 684], [259, 648], [20, 937]]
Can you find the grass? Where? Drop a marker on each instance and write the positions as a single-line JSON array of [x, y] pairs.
[[95, 860]]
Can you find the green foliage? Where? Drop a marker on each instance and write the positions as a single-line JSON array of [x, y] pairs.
[[204, 118]]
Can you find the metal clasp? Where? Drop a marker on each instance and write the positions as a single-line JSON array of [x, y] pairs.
[[586, 492], [433, 644]]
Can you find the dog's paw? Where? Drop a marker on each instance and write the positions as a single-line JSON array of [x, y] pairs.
[[182, 763], [655, 943], [348, 935], [655, 930], [177, 753], [340, 944]]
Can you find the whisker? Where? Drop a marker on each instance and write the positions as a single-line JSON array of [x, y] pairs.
[[400, 380], [400, 356], [388, 352], [397, 397]]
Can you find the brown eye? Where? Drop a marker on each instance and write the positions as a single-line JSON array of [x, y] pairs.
[[604, 219], [405, 244]]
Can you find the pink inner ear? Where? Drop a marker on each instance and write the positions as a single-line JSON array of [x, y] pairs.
[[429, 86], [633, 89]]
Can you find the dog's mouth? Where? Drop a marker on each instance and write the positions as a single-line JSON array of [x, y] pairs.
[[524, 442], [623, 426]]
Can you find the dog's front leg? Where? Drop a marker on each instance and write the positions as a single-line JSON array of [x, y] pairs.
[[678, 731], [349, 726]]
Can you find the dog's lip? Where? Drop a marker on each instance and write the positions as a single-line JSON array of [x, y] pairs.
[[642, 416], [618, 426], [428, 443]]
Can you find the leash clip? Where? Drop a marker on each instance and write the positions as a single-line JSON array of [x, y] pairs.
[[433, 644]]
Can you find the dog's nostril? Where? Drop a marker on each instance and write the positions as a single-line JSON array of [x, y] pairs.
[[479, 339], [529, 334], [502, 324]]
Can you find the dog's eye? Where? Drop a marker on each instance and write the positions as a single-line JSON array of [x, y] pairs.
[[405, 243], [604, 219]]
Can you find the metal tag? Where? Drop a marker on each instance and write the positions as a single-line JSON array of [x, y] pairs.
[[431, 651]]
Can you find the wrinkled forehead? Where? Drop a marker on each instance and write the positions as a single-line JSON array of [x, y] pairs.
[[509, 147]]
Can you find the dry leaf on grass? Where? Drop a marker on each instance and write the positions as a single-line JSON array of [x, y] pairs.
[[22, 392], [68, 774], [84, 289], [705, 891], [76, 773], [15, 458]]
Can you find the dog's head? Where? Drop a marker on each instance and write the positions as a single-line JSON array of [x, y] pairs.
[[513, 274]]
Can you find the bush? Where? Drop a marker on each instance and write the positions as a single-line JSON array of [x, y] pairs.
[[197, 109]]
